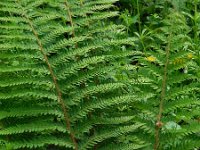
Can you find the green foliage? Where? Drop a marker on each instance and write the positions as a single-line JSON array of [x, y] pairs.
[[171, 113], [55, 62], [74, 78], [168, 72]]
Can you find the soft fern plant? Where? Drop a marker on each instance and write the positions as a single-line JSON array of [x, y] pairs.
[[166, 70], [55, 88]]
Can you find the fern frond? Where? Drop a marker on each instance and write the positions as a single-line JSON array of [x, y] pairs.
[[56, 64]]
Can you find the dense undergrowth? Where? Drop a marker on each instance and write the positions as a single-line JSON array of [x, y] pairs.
[[99, 75]]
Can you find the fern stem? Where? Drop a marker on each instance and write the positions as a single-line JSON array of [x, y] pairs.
[[58, 91], [70, 18], [163, 93], [60, 100], [73, 34]]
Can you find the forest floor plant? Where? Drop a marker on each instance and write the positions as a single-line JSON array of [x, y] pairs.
[[75, 80], [56, 91], [167, 70]]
